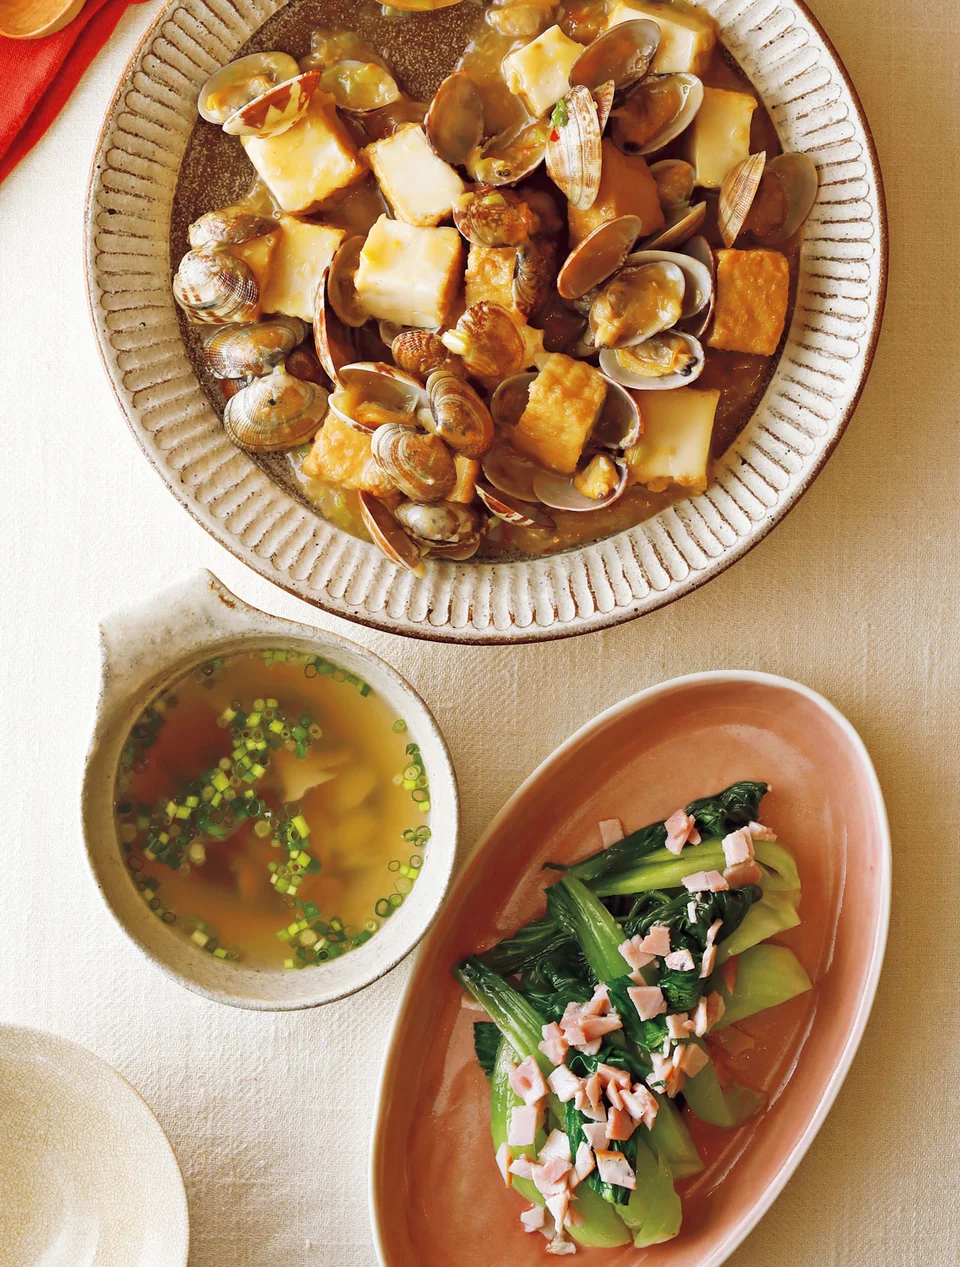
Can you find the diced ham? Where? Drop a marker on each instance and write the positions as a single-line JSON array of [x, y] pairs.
[[637, 978], [700, 1018], [696, 882], [692, 912], [657, 940], [524, 1124], [558, 1205], [554, 1045], [614, 1168], [733, 1040], [664, 1076], [594, 1089], [591, 1047], [503, 1163], [613, 1095], [691, 1059], [759, 832], [713, 931], [533, 1219], [557, 1145], [680, 826], [596, 1113], [610, 1073], [679, 1025], [680, 960], [595, 1027], [564, 1083], [715, 1008], [560, 1246], [599, 1004], [632, 950], [611, 832], [584, 1163], [550, 1178], [716, 882], [641, 1105], [527, 1081], [522, 1167], [737, 847], [744, 873], [596, 1134], [620, 1124], [648, 1000]]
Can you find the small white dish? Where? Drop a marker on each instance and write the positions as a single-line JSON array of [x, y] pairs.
[[147, 648], [88, 1177]]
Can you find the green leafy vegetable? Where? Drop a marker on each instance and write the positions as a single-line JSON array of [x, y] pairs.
[[527, 946], [766, 977], [773, 913], [653, 1213], [486, 1043], [661, 870], [717, 1105]]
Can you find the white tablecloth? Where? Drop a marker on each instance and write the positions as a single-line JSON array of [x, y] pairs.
[[855, 594]]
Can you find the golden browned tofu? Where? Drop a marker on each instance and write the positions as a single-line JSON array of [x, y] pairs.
[[257, 254], [468, 472], [489, 277], [752, 293], [564, 403], [626, 188], [342, 455]]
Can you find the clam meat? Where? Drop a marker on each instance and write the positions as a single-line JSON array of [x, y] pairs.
[[637, 303]]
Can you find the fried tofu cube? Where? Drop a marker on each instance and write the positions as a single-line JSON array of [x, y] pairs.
[[257, 254], [489, 277], [687, 36], [626, 188], [719, 136], [468, 472], [752, 294], [564, 402], [311, 161], [420, 187], [675, 444], [539, 73], [341, 455], [302, 252], [408, 275]]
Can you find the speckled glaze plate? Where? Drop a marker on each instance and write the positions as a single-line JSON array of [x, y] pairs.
[[88, 1178], [148, 177]]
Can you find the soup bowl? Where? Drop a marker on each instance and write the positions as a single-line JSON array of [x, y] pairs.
[[148, 648], [151, 176]]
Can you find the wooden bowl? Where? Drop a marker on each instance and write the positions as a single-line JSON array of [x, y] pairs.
[[32, 19]]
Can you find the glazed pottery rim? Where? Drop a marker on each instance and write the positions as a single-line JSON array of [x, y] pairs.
[[77, 1051], [107, 718], [864, 1003], [494, 633]]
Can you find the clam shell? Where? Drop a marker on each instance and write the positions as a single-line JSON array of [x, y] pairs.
[[699, 280], [359, 85], [215, 287], [637, 303], [510, 471], [573, 154], [379, 124], [600, 253], [229, 226], [341, 287], [457, 553], [604, 96], [488, 340], [420, 464], [618, 364], [737, 193], [682, 223], [420, 352], [534, 275], [242, 81], [249, 351], [397, 395], [689, 98], [460, 418], [559, 492], [619, 426], [676, 180], [388, 536], [622, 54], [699, 249], [512, 509], [454, 122], [333, 340], [511, 155], [274, 412], [493, 217], [440, 523], [276, 110], [798, 181], [510, 399]]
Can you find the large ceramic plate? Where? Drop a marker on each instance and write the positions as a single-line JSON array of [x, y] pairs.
[[808, 402], [434, 1181], [88, 1178]]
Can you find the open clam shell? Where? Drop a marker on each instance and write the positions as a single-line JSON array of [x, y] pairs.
[[604, 97], [341, 283], [699, 281], [622, 54], [217, 288], [510, 399], [737, 193], [598, 256], [493, 217], [681, 223], [619, 426], [510, 471], [379, 124], [277, 110], [242, 81], [511, 155], [656, 112], [454, 122], [441, 523], [388, 536], [372, 394], [249, 351], [666, 361], [333, 340], [559, 492], [514, 510], [420, 464], [788, 190], [459, 416], [274, 412], [573, 154], [699, 249], [636, 303], [228, 226], [676, 180]]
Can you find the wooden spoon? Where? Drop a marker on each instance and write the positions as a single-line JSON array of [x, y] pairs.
[[31, 19]]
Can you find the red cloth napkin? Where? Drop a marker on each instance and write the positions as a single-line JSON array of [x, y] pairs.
[[39, 75]]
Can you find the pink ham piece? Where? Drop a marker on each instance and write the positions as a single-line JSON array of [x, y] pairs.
[[759, 832], [558, 1205], [584, 1163], [524, 1124], [596, 1134], [737, 847], [611, 832], [744, 873], [560, 1246], [595, 1114], [648, 1000], [657, 940], [620, 1124], [692, 912], [533, 1219], [715, 1008], [550, 1176], [701, 1020], [564, 1083], [503, 1163], [594, 1089], [595, 1027], [690, 1059], [703, 881], [680, 1025], [522, 1167], [554, 1045], [527, 1081], [613, 1095], [713, 931], [557, 1145], [610, 1073], [614, 1168], [680, 961], [598, 1005], [681, 830], [664, 1075], [708, 963], [634, 953], [641, 1105]]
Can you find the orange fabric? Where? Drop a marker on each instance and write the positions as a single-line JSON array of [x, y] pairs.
[[39, 75]]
